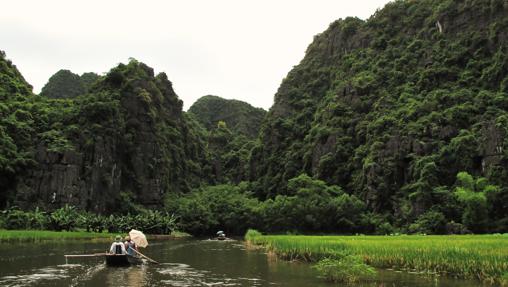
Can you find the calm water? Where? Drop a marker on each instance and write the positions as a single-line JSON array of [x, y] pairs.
[[183, 263]]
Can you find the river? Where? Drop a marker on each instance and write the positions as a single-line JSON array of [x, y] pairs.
[[184, 262]]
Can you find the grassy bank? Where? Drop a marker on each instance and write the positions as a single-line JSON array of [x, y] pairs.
[[34, 235], [13, 235], [482, 257]]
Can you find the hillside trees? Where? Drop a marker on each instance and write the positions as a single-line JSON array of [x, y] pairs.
[[391, 109]]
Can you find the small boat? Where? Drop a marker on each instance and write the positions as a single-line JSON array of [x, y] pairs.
[[221, 235], [122, 260]]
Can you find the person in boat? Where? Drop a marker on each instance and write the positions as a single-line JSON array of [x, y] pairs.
[[221, 235], [130, 246], [118, 247]]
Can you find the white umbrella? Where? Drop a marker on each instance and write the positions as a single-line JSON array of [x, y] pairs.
[[138, 237]]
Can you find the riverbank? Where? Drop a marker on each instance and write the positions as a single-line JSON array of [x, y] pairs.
[[36, 235], [11, 235], [480, 257]]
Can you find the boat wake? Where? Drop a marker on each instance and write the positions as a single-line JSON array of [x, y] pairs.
[[183, 275], [88, 273], [36, 277]]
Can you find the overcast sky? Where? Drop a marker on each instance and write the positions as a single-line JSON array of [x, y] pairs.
[[229, 48]]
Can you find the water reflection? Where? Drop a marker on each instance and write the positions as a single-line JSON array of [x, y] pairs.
[[133, 276]]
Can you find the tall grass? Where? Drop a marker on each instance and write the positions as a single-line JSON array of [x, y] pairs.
[[35, 235], [40, 235], [482, 257]]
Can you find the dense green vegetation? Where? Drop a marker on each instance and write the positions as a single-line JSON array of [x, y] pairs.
[[391, 109], [34, 235], [88, 80], [311, 206], [347, 269], [481, 257], [126, 142], [69, 218], [395, 124], [16, 125], [232, 127], [64, 84], [240, 117], [229, 154]]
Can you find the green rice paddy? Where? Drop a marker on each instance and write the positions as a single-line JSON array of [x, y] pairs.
[[481, 257]]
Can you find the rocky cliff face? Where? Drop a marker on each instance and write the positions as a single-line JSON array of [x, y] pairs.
[[126, 142], [393, 107], [279, 157]]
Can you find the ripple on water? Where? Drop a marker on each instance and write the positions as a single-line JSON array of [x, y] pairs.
[[182, 275], [86, 274], [34, 276], [69, 265]]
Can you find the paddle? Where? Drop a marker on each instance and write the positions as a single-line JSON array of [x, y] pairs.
[[144, 256], [86, 255]]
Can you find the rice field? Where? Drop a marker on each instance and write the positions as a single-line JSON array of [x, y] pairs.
[[481, 257]]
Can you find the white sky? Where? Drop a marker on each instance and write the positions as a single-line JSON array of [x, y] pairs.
[[230, 48]]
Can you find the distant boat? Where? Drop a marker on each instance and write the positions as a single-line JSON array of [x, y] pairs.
[[122, 260], [221, 235]]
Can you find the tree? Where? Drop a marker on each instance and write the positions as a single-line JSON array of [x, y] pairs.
[[473, 193]]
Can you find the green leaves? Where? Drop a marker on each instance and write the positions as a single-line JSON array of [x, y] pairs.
[[70, 218], [240, 117], [222, 207], [56, 141], [473, 194], [64, 218]]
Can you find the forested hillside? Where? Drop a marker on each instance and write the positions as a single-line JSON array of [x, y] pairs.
[[126, 142], [66, 84], [232, 127], [240, 117], [397, 123], [394, 107], [15, 125]]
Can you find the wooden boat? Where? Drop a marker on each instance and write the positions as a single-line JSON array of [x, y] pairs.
[[122, 260]]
